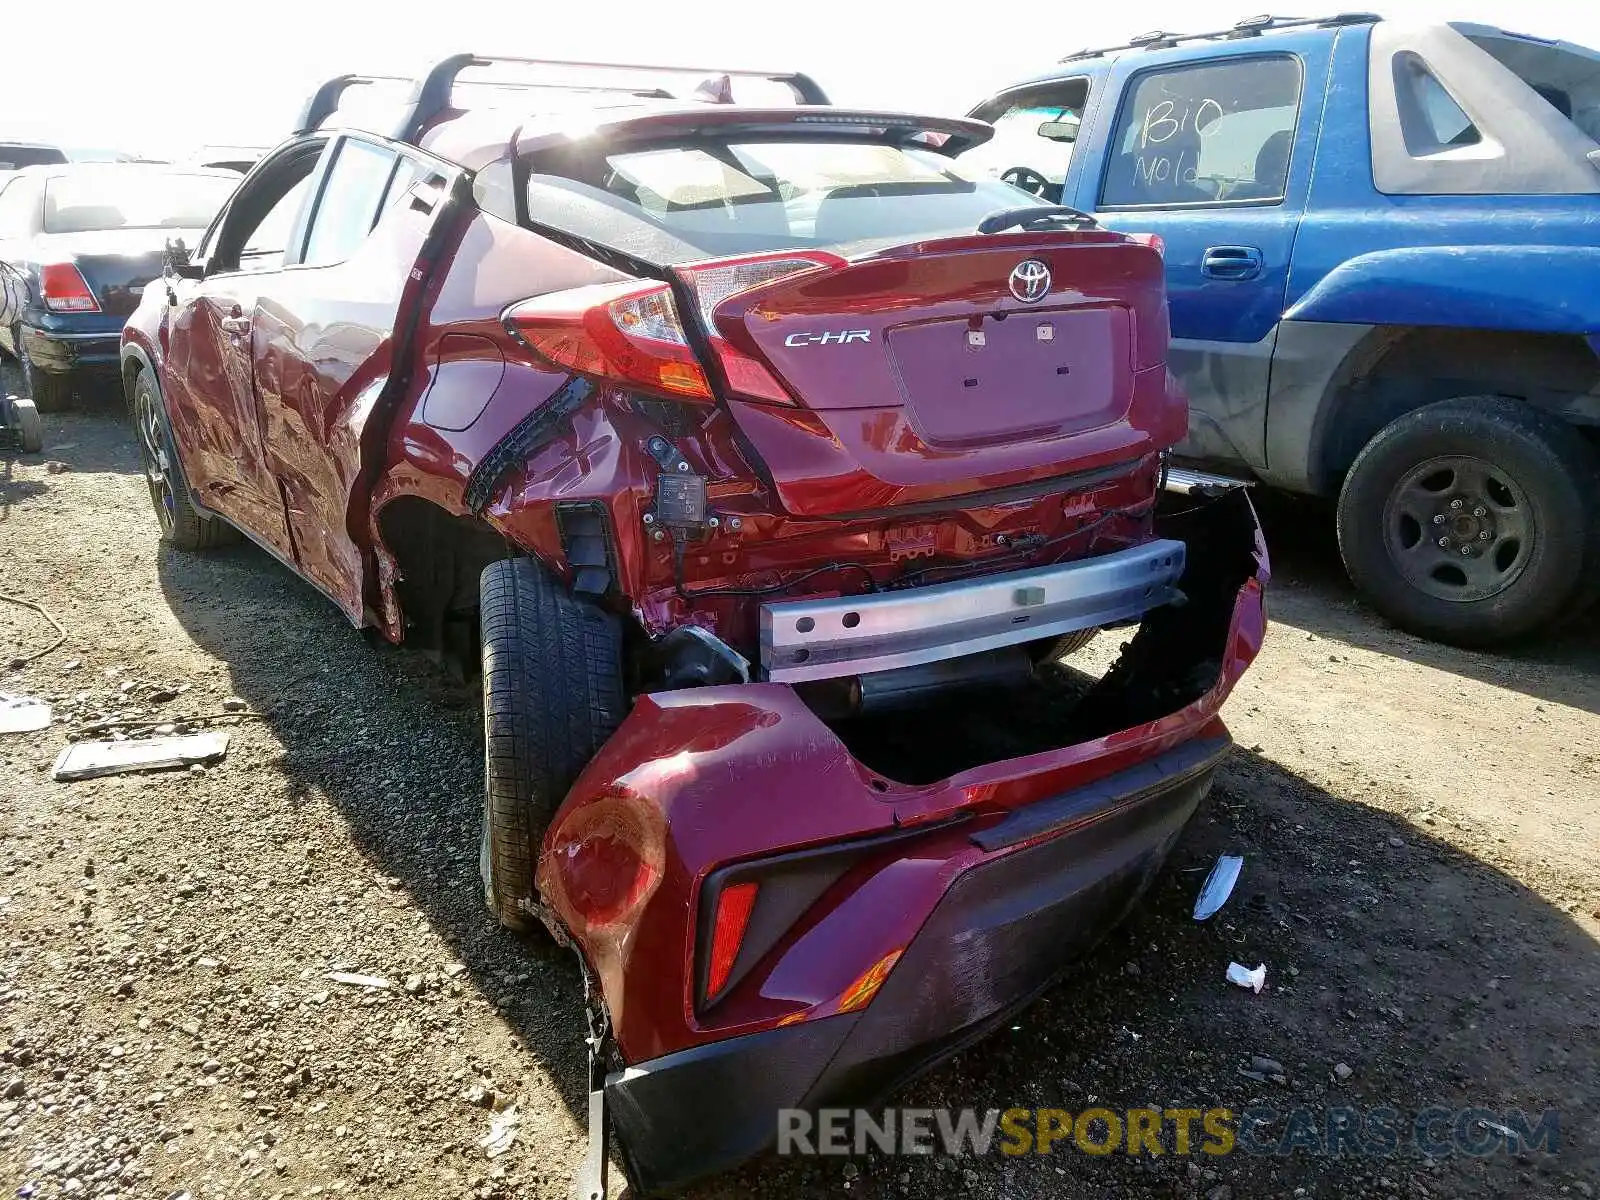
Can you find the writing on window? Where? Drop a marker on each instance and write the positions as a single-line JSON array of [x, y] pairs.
[[1205, 134]]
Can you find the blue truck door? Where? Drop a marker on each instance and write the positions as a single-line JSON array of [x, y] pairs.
[[1214, 155]]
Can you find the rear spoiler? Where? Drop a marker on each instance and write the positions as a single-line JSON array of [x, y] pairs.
[[431, 94], [943, 135]]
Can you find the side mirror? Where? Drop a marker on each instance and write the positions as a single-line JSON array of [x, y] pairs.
[[175, 262], [1059, 131]]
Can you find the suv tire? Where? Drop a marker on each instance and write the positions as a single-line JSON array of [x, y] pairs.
[[552, 695], [182, 525], [1472, 521]]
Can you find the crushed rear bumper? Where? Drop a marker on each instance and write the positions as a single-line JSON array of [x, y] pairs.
[[59, 351], [1036, 891], [894, 920]]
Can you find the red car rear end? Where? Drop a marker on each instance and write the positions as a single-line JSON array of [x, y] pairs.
[[795, 465]]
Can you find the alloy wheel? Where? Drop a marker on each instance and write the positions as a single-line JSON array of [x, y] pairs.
[[153, 444]]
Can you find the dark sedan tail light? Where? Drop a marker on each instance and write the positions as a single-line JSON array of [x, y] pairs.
[[64, 289]]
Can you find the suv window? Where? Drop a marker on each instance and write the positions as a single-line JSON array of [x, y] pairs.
[[1205, 134], [1430, 118], [349, 202], [1034, 132]]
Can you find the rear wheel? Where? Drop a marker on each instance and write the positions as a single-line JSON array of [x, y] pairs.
[[552, 695], [181, 524], [1055, 649], [1471, 521]]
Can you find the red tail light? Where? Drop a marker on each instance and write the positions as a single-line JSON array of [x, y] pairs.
[[1153, 240], [734, 905], [64, 290], [719, 280], [628, 333]]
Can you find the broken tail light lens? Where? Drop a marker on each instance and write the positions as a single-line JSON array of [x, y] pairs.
[[860, 993], [735, 903], [63, 289], [624, 333], [714, 283]]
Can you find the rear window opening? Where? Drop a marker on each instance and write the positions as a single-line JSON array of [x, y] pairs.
[[116, 198], [705, 198], [1565, 76], [1172, 659], [14, 157]]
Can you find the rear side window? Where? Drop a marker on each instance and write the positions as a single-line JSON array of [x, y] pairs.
[[349, 202], [676, 203], [1206, 134], [1430, 118]]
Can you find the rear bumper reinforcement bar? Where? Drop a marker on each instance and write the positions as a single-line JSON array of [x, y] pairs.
[[856, 635]]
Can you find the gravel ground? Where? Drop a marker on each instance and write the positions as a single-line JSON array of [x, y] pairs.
[[1421, 828]]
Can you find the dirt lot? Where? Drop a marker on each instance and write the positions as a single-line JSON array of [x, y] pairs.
[[1421, 828]]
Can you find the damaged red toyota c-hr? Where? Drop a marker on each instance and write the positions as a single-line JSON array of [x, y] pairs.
[[772, 465]]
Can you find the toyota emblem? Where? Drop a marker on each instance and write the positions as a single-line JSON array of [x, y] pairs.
[[1030, 280]]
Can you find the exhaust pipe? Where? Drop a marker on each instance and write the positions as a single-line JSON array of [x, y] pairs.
[[905, 687]]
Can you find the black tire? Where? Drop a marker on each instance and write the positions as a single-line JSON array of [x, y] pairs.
[[50, 393], [1510, 489], [181, 523], [29, 429], [1049, 650], [552, 695]]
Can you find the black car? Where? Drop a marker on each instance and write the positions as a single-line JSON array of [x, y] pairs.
[[78, 244]]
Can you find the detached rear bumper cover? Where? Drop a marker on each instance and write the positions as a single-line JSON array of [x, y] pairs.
[[958, 900], [1001, 934]]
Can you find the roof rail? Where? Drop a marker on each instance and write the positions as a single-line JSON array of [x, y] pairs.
[[1160, 39], [325, 102], [431, 95]]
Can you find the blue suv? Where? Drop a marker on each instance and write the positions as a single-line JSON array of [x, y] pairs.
[[1383, 263]]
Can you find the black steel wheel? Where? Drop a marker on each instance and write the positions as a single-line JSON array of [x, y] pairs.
[[1473, 520]]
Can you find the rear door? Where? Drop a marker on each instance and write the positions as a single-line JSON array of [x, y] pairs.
[[1214, 155], [326, 340]]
